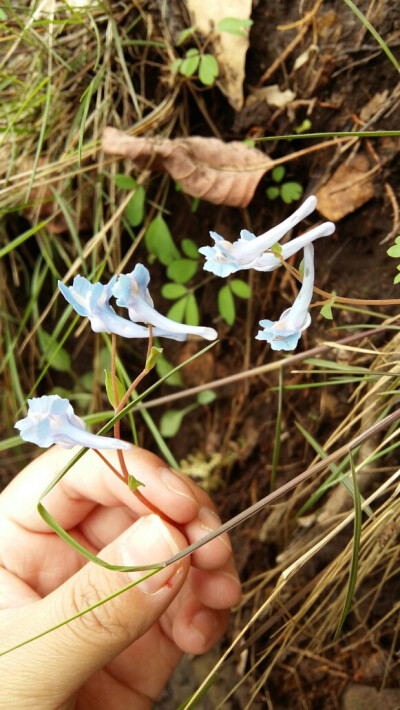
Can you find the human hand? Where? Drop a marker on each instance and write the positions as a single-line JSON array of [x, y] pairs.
[[121, 654]]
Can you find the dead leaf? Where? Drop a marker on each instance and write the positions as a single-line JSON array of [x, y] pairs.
[[272, 95], [348, 189], [222, 173], [229, 50], [374, 105]]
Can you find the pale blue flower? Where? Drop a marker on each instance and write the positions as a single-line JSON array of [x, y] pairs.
[[131, 291], [51, 420], [285, 333], [92, 301], [248, 252]]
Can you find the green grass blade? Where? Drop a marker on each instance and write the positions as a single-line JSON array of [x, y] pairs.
[[374, 33], [22, 238]]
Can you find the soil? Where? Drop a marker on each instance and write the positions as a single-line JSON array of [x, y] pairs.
[[234, 443]]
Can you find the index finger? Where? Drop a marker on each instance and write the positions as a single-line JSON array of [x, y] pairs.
[[90, 483]]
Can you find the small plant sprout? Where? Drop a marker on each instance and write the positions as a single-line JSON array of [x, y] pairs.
[[251, 252], [51, 420], [288, 191], [285, 333]]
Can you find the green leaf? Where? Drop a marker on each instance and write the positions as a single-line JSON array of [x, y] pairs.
[[177, 311], [189, 248], [175, 66], [195, 204], [249, 142], [291, 191], [303, 127], [182, 270], [170, 422], [125, 182], [326, 310], [240, 288], [58, 358], [396, 279], [277, 248], [272, 192], [234, 25], [208, 69], [133, 482], [192, 312], [162, 369], [3, 15], [206, 397], [173, 291], [394, 251], [226, 305], [135, 208], [184, 34], [190, 62], [278, 173], [110, 390], [153, 357], [159, 242]]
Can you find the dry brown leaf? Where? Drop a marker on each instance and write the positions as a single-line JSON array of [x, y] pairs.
[[348, 189], [272, 95], [229, 50], [222, 173]]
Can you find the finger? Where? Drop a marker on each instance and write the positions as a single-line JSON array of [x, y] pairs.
[[216, 589], [89, 483], [214, 553], [89, 642]]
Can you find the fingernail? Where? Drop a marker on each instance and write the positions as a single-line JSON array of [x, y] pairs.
[[175, 485], [149, 541], [204, 625], [210, 521]]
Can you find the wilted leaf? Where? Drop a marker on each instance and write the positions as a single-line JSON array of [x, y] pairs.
[[272, 95], [222, 173], [346, 191]]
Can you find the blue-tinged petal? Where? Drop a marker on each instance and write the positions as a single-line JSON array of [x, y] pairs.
[[247, 236], [77, 294], [51, 420], [249, 252], [285, 333], [132, 293]]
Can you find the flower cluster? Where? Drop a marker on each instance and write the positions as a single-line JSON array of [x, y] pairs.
[[131, 291], [51, 419], [251, 252]]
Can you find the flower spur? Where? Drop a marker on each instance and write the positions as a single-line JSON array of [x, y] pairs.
[[285, 333], [131, 291], [248, 252]]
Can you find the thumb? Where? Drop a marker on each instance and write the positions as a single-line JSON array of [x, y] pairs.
[[64, 659]]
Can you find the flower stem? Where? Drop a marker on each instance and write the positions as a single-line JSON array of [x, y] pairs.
[[110, 466]]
